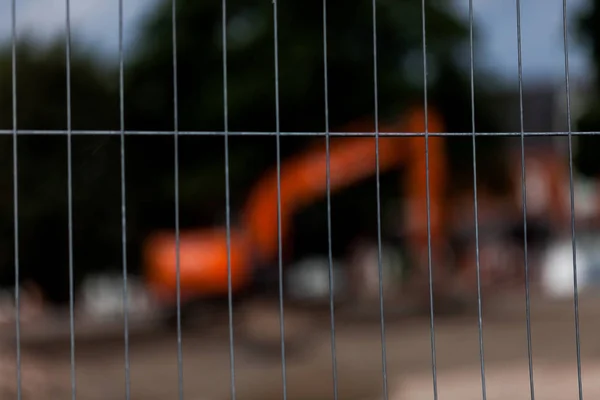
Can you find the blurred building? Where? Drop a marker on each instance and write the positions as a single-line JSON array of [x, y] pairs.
[[544, 109]]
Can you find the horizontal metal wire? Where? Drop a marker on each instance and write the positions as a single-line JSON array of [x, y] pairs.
[[40, 132]]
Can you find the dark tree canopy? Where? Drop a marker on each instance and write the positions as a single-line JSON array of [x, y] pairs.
[[42, 162], [251, 75]]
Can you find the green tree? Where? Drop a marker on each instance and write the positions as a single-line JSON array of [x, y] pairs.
[[41, 83], [251, 81]]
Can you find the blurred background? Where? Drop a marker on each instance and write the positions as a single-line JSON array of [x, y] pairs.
[[98, 260]]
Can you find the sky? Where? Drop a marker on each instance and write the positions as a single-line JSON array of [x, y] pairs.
[[541, 37], [96, 23]]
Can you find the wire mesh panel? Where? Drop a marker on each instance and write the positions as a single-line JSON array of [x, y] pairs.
[[326, 134]]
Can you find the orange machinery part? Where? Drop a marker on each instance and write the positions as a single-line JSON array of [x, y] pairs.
[[203, 262]]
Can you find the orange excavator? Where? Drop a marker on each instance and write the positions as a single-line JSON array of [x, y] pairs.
[[254, 244], [205, 261]]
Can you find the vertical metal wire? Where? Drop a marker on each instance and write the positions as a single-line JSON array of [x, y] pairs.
[[428, 200], [228, 200], [16, 196], [572, 198], [70, 198], [176, 198], [123, 205], [280, 244], [328, 193], [475, 202], [378, 194], [524, 202]]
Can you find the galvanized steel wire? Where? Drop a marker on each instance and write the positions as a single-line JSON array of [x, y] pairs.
[[70, 200], [428, 199], [524, 201], [16, 197], [475, 202], [572, 198], [226, 133], [328, 196]]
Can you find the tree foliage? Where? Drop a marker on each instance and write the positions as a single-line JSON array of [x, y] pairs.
[[251, 78], [41, 99]]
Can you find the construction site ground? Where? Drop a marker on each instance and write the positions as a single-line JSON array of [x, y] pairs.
[[100, 362]]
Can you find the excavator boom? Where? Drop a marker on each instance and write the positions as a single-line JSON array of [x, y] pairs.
[[351, 159]]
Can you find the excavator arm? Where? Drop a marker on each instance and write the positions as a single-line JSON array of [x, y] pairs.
[[352, 159]]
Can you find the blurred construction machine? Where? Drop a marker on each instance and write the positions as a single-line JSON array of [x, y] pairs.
[[245, 261]]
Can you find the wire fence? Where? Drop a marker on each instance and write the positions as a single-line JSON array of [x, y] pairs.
[[226, 134]]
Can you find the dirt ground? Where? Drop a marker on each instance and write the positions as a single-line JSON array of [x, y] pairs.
[[100, 368]]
